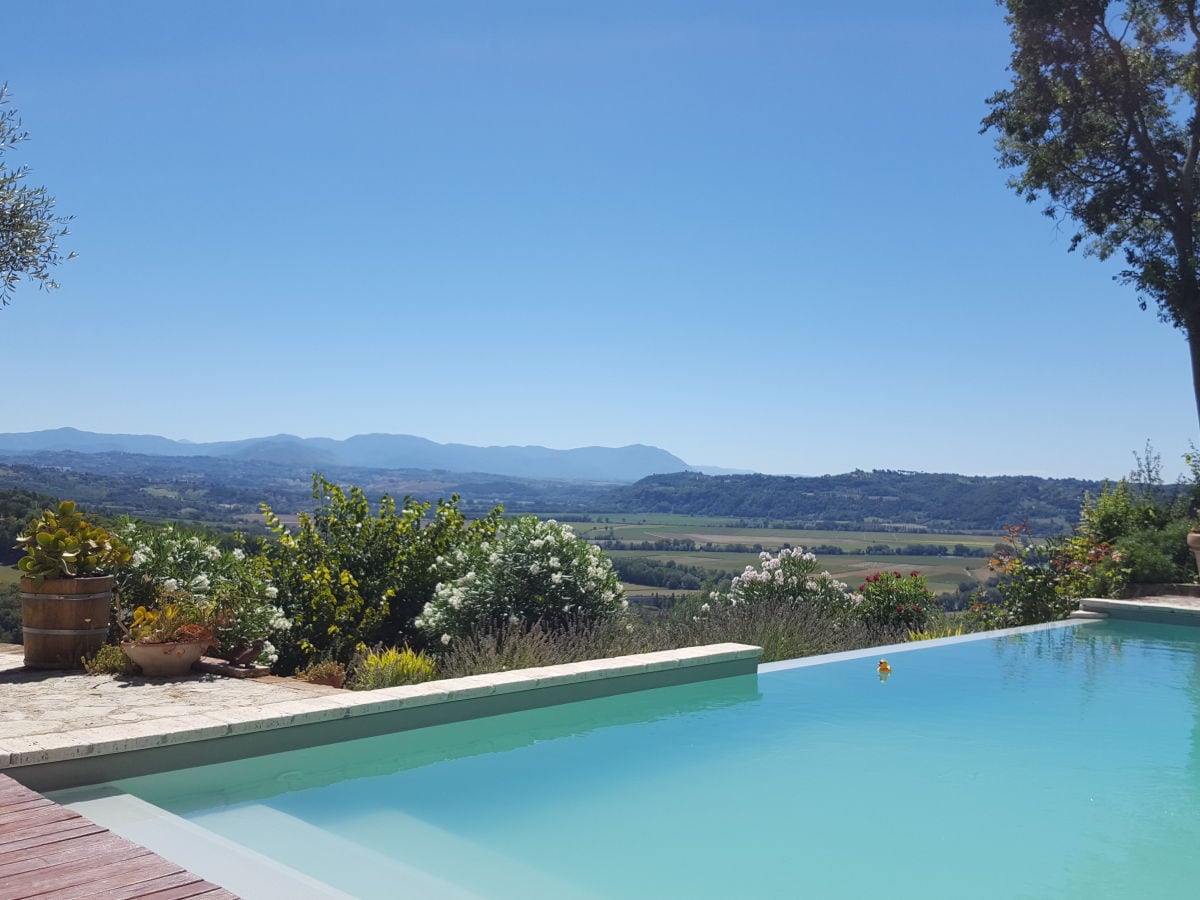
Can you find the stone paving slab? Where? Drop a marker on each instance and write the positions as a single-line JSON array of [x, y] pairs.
[[50, 717]]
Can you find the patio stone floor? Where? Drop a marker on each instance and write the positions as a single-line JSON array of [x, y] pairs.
[[37, 703]]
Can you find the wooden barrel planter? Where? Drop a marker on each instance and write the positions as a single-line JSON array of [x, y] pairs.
[[64, 620]]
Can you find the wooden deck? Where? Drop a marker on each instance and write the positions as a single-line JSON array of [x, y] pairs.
[[52, 853]]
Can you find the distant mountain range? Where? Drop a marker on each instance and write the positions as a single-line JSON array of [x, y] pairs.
[[374, 451], [224, 490]]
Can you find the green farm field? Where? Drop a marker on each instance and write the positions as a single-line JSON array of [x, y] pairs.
[[726, 531], [943, 573], [722, 545]]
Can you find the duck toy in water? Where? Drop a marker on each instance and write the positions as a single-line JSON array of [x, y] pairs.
[[884, 669]]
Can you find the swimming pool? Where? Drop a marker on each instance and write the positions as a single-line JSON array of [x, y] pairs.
[[1057, 762]]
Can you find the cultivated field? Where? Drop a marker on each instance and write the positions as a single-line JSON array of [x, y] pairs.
[[722, 544]]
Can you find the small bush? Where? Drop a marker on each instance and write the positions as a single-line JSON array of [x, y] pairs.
[[532, 572], [109, 660], [351, 575], [790, 577], [389, 667], [942, 630], [1158, 556], [895, 602], [784, 630], [325, 671], [505, 647]]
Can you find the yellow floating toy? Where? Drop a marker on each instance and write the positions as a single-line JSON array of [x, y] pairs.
[[884, 670]]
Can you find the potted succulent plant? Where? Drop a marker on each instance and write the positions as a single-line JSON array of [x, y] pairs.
[[169, 639], [328, 672], [66, 587]]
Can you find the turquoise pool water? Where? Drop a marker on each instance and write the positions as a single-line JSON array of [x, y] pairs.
[[1056, 763]]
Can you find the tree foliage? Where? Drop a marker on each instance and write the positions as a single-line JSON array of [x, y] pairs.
[[1103, 121], [351, 576], [29, 227]]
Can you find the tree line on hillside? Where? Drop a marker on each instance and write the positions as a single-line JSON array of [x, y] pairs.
[[227, 493], [671, 575], [936, 502]]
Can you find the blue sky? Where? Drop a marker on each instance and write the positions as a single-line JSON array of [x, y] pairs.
[[763, 235]]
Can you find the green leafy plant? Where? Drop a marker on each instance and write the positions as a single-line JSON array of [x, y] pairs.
[[1042, 581], [941, 630], [790, 577], [109, 660], [171, 558], [176, 617], [390, 667], [532, 571], [324, 671], [891, 602], [349, 576], [61, 543], [29, 227], [1158, 555]]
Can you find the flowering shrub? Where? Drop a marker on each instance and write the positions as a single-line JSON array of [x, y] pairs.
[[389, 667], [169, 560], [1044, 581], [890, 601], [350, 577], [789, 577], [532, 572]]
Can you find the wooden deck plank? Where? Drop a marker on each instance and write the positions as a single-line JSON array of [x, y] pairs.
[[20, 812], [46, 843], [167, 887], [49, 828], [134, 867], [49, 852], [50, 833], [17, 803], [77, 851]]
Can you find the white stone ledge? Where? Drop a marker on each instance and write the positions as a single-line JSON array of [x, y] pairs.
[[1145, 608], [212, 724]]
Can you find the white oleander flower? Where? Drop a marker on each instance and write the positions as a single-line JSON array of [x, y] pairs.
[[272, 592], [445, 639]]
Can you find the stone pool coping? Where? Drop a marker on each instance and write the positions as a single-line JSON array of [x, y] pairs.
[[96, 754], [1165, 609]]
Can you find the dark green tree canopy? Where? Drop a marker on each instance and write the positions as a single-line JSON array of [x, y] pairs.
[[1102, 120], [29, 228]]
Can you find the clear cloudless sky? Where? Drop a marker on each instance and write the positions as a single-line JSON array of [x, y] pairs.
[[762, 235]]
